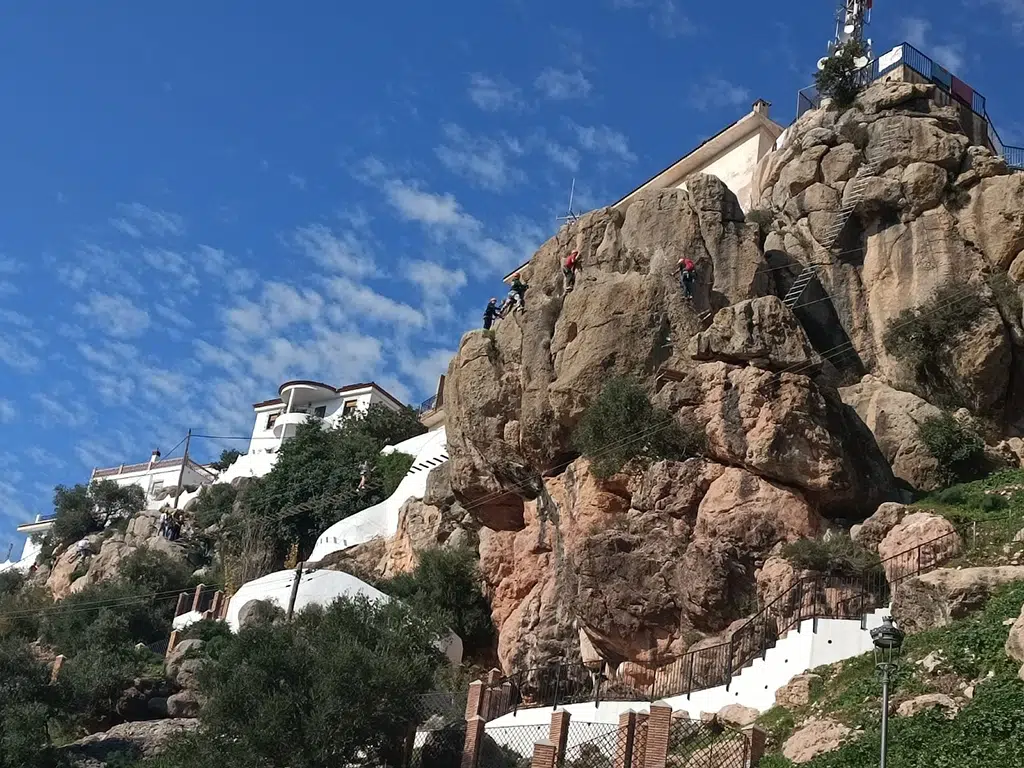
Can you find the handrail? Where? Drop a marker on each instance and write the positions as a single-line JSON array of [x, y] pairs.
[[819, 596]]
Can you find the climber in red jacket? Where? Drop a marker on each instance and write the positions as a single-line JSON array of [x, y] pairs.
[[572, 263], [687, 276]]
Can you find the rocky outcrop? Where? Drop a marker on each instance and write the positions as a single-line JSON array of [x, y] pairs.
[[816, 737], [894, 418], [1015, 642], [938, 598], [938, 214], [798, 691], [870, 533], [737, 716], [73, 570], [147, 739], [919, 541], [923, 703]]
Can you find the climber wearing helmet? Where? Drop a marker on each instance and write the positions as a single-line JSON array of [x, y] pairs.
[[490, 313], [572, 263], [687, 276]]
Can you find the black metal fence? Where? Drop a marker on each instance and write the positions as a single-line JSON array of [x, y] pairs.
[[814, 597], [439, 748]]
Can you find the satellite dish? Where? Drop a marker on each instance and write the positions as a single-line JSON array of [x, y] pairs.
[[821, 62], [860, 61], [849, 28]]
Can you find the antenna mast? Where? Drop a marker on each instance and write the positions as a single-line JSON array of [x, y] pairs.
[[570, 216], [851, 18]]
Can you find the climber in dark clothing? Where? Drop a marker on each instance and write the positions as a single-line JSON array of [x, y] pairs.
[[517, 294], [572, 263], [687, 276], [490, 314]]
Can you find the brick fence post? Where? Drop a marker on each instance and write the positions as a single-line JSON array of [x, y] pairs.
[[756, 738], [559, 733], [198, 596], [218, 596], [475, 700], [659, 723], [543, 755], [474, 741], [624, 742], [182, 602], [172, 643], [58, 663]]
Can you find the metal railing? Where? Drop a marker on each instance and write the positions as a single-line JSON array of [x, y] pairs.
[[427, 405], [952, 87], [828, 596]]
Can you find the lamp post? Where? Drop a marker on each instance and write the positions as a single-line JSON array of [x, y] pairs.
[[888, 639]]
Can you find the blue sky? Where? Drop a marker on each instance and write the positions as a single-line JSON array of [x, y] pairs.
[[202, 200]]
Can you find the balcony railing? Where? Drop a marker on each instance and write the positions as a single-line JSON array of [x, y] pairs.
[[427, 405], [953, 89]]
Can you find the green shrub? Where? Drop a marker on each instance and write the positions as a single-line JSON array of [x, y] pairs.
[[106, 615], [227, 458], [837, 79], [154, 571], [213, 504], [82, 510], [20, 611], [621, 426], [958, 449], [922, 338], [390, 469], [11, 581], [838, 555], [27, 703], [446, 588]]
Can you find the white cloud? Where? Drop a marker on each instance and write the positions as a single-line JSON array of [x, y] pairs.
[[116, 314], [279, 306], [664, 16], [7, 411], [493, 94], [559, 85], [367, 303], [1013, 9], [432, 278], [917, 32], [561, 154], [717, 93], [483, 161], [346, 252], [173, 264], [299, 182], [425, 367], [602, 140], [138, 219], [14, 354], [68, 412], [42, 456], [8, 266]]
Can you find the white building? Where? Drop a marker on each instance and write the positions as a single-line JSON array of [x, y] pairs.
[[278, 419], [39, 527], [156, 476]]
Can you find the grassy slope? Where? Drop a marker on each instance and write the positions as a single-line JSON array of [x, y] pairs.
[[989, 731]]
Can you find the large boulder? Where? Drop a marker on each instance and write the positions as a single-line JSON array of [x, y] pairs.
[[814, 738], [762, 332], [895, 418], [798, 692], [872, 531], [1015, 642], [927, 701], [938, 598], [920, 541], [147, 738]]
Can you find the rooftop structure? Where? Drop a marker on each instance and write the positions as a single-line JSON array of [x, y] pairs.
[[158, 477]]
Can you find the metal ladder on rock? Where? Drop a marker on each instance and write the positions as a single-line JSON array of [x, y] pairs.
[[854, 194]]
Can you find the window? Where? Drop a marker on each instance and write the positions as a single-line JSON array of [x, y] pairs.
[[320, 411], [349, 408], [271, 420], [157, 485]]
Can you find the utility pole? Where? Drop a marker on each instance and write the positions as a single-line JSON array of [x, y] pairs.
[[295, 590], [181, 472]]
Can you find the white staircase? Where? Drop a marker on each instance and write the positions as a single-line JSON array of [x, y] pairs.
[[853, 194]]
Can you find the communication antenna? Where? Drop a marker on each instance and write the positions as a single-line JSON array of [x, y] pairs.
[[851, 18], [570, 216]]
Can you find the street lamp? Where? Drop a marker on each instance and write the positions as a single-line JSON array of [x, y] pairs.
[[888, 639]]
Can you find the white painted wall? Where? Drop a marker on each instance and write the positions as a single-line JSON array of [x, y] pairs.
[[319, 587], [150, 480], [755, 686], [430, 450], [249, 465], [735, 166]]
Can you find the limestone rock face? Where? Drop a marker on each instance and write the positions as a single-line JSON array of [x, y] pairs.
[[149, 737], [513, 397], [872, 531], [815, 738], [797, 692], [939, 214], [920, 540], [944, 595], [894, 418]]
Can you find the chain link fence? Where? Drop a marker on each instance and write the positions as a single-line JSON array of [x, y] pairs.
[[694, 744]]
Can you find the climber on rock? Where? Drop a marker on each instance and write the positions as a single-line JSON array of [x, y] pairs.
[[687, 276], [490, 313], [364, 473], [516, 295], [569, 268]]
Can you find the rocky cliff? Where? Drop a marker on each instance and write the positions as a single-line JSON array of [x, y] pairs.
[[806, 415]]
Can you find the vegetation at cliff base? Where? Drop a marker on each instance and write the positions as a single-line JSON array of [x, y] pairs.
[[622, 426], [836, 555], [956, 446]]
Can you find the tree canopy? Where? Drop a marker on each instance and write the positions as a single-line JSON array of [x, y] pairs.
[[85, 509]]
